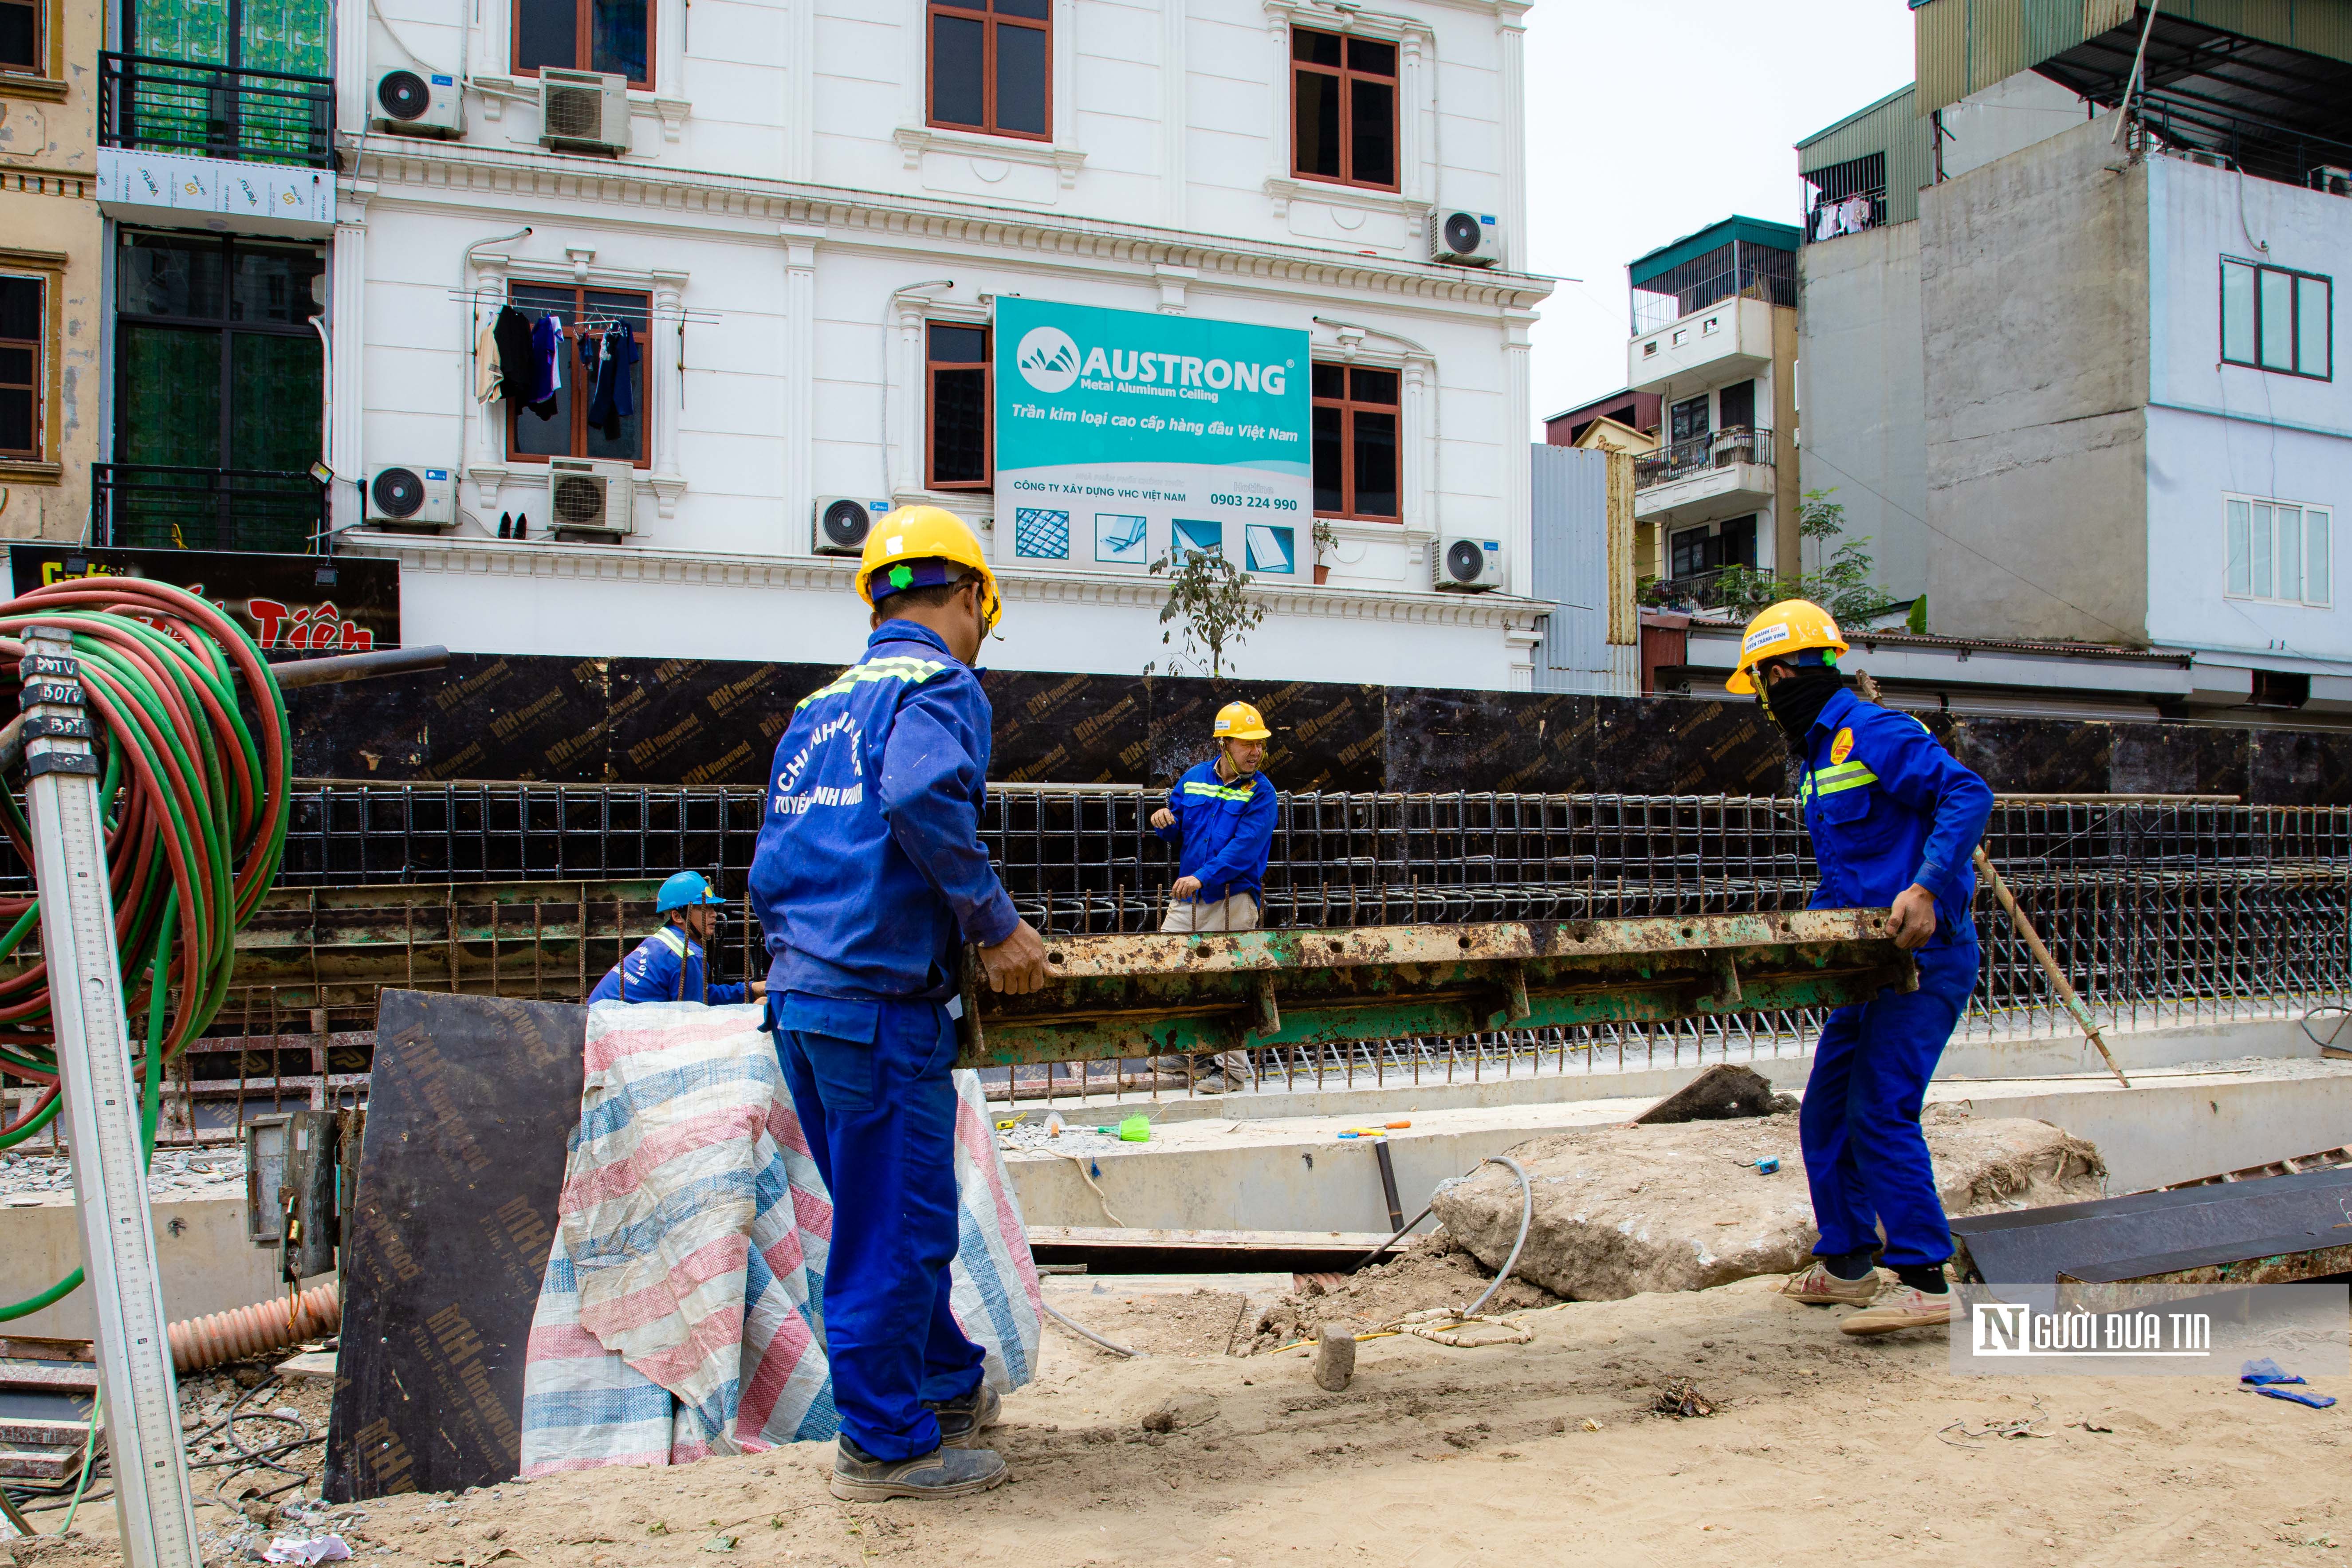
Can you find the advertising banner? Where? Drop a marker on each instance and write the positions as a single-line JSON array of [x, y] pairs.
[[297, 603], [1121, 434]]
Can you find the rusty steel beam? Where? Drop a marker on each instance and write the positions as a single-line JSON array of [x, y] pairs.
[[1118, 996]]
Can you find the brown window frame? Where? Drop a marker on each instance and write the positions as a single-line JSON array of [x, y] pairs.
[[579, 409], [1349, 404], [583, 42], [37, 353], [44, 64], [40, 464], [982, 11], [986, 365], [1347, 74]]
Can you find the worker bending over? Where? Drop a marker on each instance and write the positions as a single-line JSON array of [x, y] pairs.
[[869, 877], [1222, 813], [1894, 822], [669, 965]]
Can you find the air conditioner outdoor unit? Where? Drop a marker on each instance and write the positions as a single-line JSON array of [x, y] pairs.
[[2335, 181], [1466, 565], [839, 524], [584, 111], [586, 496], [409, 495], [416, 104], [1464, 238]]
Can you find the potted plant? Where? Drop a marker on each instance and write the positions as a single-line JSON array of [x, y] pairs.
[[1327, 549]]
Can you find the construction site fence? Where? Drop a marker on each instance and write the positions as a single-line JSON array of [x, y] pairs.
[[2160, 910]]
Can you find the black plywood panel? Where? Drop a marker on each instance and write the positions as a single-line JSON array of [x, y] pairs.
[[472, 1101]]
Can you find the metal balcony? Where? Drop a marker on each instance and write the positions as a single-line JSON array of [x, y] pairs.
[[1703, 454], [149, 104], [154, 507]]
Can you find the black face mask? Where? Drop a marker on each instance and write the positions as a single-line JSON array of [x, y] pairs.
[[1795, 701]]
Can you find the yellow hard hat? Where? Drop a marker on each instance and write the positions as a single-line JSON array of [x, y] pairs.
[[908, 536], [1240, 722], [1790, 627]]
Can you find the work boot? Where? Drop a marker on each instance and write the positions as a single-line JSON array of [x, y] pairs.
[[962, 1421], [859, 1477], [1905, 1306], [1817, 1287]]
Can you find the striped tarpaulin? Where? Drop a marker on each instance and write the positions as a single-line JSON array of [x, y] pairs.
[[682, 1310]]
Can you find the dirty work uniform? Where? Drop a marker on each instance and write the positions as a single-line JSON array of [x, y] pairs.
[[1887, 807], [666, 967], [1224, 831], [869, 877]]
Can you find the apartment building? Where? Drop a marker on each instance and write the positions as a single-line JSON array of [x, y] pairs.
[[767, 249], [51, 261]]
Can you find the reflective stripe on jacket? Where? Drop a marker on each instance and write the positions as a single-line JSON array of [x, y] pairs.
[[1226, 829], [667, 966], [869, 872], [1887, 807]]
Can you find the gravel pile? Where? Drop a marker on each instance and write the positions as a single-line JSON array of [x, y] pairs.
[[29, 1174]]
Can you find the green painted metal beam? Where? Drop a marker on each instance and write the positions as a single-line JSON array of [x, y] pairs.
[[1118, 996]]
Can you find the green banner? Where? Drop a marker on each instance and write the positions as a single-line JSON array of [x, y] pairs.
[[1123, 435]]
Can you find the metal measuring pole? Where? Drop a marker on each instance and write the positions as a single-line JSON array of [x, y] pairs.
[[152, 1501]]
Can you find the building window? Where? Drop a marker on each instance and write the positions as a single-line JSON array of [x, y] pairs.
[[959, 453], [1356, 442], [1696, 549], [2276, 319], [607, 36], [585, 416], [1343, 97], [992, 67], [2279, 550], [24, 337], [20, 37]]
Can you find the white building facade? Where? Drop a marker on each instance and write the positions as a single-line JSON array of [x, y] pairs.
[[819, 204]]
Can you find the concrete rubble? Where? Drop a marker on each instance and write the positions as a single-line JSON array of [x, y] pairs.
[[1623, 1210]]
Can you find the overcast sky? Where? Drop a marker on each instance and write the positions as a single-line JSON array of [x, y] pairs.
[[1648, 120]]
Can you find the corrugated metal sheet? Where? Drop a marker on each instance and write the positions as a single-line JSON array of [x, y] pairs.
[[1889, 127], [1963, 45], [1747, 230], [1570, 568]]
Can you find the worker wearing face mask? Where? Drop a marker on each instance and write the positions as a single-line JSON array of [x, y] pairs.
[[1894, 822]]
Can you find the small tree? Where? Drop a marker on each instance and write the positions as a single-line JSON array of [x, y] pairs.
[[1208, 601], [1841, 585]]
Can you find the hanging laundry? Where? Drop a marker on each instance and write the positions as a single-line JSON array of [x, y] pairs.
[[489, 377], [512, 331], [612, 399], [547, 365], [1853, 214]]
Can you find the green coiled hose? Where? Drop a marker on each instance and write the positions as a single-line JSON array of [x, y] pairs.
[[195, 800]]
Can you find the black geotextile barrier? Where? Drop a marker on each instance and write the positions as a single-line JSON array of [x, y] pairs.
[[710, 722]]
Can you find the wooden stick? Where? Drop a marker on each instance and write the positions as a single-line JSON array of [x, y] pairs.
[[2049, 965]]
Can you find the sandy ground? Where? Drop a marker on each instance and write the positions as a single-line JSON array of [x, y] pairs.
[[1862, 1450]]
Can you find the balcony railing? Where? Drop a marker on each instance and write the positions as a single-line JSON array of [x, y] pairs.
[[149, 104], [150, 506], [1714, 588], [1660, 303], [1702, 453]]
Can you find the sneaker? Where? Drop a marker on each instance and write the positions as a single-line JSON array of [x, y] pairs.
[[859, 1477], [1905, 1306], [1817, 1287], [962, 1421]]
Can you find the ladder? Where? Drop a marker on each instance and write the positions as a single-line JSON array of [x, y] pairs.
[[153, 1503]]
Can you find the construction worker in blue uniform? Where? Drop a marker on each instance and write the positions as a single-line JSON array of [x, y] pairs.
[[669, 965], [1894, 822], [1222, 815], [869, 877]]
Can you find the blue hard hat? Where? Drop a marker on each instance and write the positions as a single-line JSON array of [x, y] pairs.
[[684, 891]]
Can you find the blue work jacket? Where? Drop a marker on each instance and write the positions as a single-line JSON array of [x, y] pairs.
[[1226, 830], [667, 966], [869, 873], [1887, 806]]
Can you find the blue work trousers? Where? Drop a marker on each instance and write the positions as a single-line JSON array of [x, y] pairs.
[[880, 1117], [1865, 1157]]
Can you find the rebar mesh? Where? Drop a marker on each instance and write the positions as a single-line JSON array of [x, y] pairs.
[[2159, 912]]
